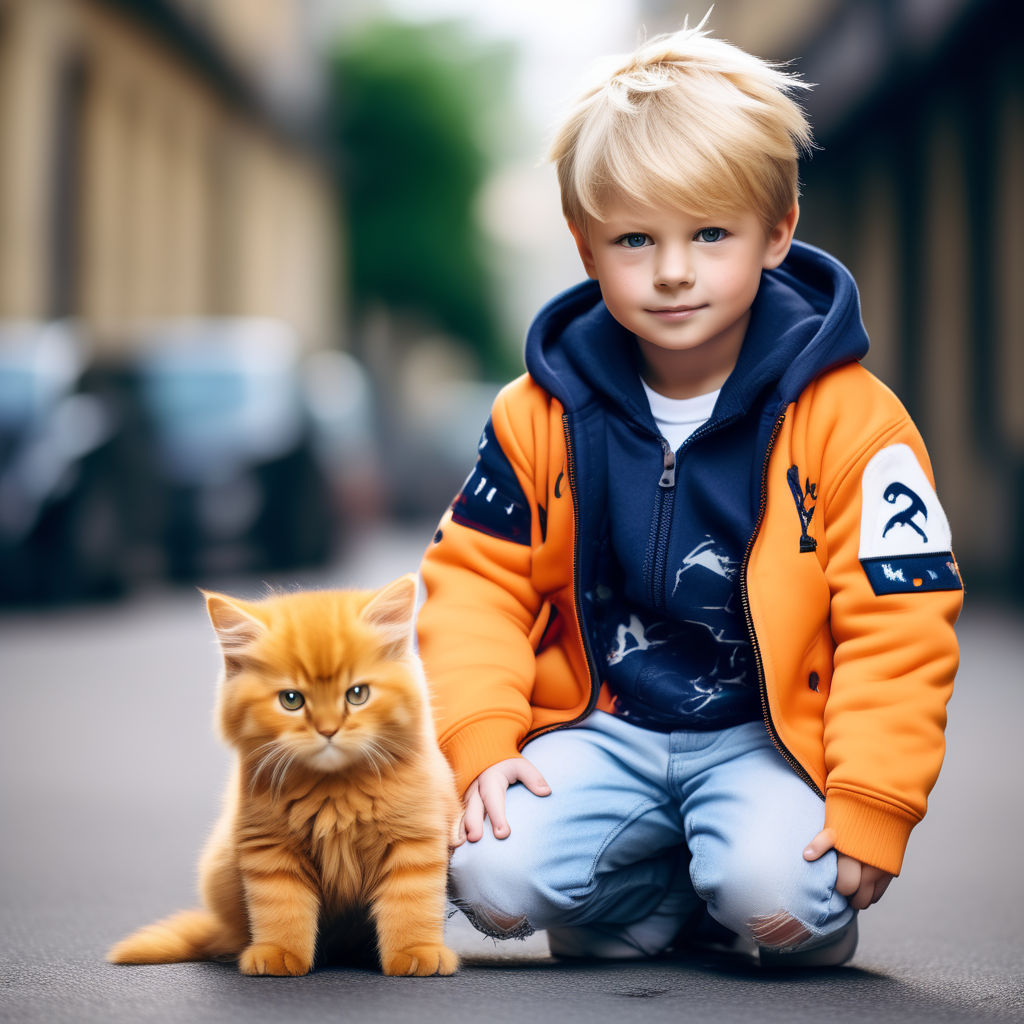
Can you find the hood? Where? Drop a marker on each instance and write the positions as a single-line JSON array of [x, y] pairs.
[[805, 320]]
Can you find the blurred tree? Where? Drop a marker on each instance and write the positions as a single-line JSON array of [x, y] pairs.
[[411, 106]]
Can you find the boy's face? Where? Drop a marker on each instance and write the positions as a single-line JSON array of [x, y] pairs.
[[682, 284]]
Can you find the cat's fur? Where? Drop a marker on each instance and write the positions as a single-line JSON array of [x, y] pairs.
[[339, 813]]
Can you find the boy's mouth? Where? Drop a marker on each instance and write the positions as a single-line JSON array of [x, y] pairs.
[[674, 312]]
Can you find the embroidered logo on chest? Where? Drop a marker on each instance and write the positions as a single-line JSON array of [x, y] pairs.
[[803, 495]]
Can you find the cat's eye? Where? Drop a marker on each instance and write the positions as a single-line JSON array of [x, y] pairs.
[[291, 700], [357, 695]]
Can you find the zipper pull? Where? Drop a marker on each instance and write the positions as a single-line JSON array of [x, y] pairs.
[[668, 477]]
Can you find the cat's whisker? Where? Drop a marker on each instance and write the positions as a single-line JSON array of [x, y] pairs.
[[378, 756], [373, 764], [394, 752], [262, 755], [281, 770], [270, 745], [274, 753]]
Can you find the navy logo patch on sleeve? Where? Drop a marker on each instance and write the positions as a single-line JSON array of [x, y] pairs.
[[491, 499], [905, 543]]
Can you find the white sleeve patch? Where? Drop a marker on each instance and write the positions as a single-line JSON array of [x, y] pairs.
[[905, 542]]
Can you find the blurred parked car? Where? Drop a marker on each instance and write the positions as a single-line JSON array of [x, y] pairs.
[[442, 430], [342, 406], [61, 522], [232, 447]]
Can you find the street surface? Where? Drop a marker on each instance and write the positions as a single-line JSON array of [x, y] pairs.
[[112, 776]]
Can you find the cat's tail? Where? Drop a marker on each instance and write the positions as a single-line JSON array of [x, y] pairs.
[[186, 936]]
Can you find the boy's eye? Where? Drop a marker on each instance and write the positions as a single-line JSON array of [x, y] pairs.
[[634, 240], [357, 695], [711, 234], [291, 700]]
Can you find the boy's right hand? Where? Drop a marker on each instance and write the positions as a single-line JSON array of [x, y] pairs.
[[485, 797]]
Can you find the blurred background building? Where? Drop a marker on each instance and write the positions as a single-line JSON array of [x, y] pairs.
[[263, 263], [163, 159]]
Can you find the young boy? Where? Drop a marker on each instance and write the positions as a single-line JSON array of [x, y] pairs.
[[697, 597]]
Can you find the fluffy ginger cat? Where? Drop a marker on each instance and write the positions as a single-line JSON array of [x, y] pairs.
[[340, 808]]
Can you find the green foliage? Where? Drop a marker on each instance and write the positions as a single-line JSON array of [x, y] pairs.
[[411, 103]]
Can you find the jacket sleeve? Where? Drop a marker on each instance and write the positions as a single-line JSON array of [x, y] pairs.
[[476, 622], [895, 594]]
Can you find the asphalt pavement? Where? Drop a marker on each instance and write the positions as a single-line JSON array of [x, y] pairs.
[[111, 776]]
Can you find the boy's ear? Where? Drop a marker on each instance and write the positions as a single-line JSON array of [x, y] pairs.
[[583, 247], [781, 237]]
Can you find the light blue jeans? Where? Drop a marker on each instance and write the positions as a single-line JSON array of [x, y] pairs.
[[641, 829]]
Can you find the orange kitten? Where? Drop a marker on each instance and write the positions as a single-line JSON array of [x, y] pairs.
[[339, 810]]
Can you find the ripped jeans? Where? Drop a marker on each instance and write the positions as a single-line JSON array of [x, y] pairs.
[[643, 829]]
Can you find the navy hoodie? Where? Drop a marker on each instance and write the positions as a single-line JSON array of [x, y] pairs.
[[663, 534]]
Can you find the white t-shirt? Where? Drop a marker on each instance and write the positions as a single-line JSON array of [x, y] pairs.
[[678, 418]]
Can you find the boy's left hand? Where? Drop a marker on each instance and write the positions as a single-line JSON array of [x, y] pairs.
[[860, 883]]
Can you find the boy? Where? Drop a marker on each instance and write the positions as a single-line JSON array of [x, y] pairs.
[[697, 596]]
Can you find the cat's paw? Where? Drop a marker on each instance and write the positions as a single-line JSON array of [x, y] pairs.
[[420, 961], [266, 958]]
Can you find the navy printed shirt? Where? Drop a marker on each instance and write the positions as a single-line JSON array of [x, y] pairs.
[[669, 633]]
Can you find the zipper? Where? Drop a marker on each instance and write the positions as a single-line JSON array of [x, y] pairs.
[[656, 559], [762, 683], [663, 506], [595, 689]]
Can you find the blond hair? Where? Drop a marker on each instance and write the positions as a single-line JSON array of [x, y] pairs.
[[689, 121]]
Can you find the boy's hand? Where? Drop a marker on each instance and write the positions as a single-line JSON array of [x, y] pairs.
[[860, 883], [485, 797]]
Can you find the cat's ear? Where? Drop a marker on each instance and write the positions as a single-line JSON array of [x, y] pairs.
[[392, 611], [236, 628]]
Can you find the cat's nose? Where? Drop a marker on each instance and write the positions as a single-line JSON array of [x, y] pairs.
[[327, 730]]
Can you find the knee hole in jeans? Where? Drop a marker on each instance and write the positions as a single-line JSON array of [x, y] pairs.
[[495, 926], [779, 931]]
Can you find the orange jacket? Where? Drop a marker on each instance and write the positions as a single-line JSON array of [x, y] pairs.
[[854, 682]]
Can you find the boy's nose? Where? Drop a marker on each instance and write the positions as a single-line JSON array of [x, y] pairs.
[[674, 270]]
